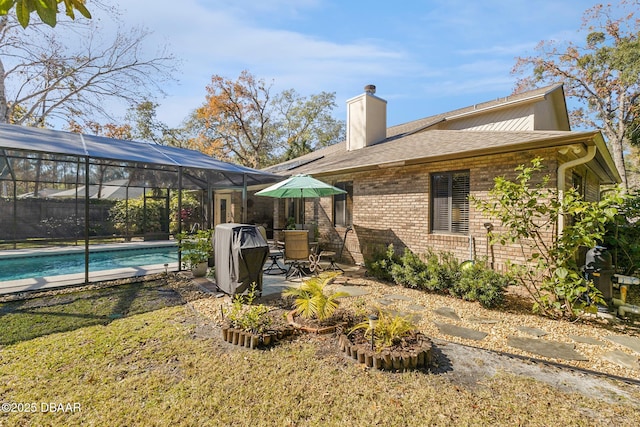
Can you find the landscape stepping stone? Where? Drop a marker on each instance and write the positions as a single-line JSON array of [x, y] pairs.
[[631, 342], [586, 340], [482, 320], [532, 331], [412, 317], [621, 358], [447, 312], [353, 291], [383, 301], [416, 307], [458, 331], [551, 349], [398, 297]]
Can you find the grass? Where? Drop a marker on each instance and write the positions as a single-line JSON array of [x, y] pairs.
[[154, 367], [27, 319]]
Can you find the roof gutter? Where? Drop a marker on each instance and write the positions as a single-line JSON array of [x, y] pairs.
[[591, 153]]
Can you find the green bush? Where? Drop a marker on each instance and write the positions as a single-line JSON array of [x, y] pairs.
[[381, 264], [528, 209], [390, 328], [478, 283], [247, 316], [441, 272], [623, 236], [410, 271], [128, 217]]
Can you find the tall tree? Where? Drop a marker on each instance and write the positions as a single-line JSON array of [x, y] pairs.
[[46, 10], [43, 78], [237, 114], [145, 126], [602, 73], [306, 124], [244, 122]]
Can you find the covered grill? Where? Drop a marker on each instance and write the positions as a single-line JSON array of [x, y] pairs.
[[599, 268], [240, 253]]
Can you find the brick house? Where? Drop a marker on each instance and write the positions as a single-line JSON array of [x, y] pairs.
[[409, 184]]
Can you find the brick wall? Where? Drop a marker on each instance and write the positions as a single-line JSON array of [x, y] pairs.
[[392, 206]]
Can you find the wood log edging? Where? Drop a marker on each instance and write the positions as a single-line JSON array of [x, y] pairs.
[[420, 357], [320, 330], [250, 340]]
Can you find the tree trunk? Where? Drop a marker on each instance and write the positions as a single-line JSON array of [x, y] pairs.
[[617, 152]]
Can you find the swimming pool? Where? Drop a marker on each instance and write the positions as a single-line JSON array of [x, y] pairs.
[[55, 264]]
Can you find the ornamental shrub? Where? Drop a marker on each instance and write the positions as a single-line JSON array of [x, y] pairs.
[[476, 282], [381, 264], [528, 209]]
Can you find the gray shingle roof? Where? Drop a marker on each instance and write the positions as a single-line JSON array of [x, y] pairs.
[[418, 142], [411, 143], [433, 145]]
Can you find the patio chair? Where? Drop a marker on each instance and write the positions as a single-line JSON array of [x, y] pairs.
[[276, 252], [296, 252], [333, 256]]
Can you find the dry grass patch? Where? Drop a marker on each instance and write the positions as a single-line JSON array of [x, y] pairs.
[[156, 368]]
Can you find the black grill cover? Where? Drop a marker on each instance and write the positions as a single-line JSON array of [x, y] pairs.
[[240, 254], [598, 259]]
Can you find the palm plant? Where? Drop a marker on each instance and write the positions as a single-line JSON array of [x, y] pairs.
[[389, 328], [310, 299]]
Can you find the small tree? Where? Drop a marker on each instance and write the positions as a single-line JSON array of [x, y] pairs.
[[529, 214]]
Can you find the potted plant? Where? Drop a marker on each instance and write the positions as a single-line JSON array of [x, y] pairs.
[[314, 304], [195, 250]]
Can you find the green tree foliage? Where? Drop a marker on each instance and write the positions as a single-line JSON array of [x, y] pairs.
[[528, 209], [601, 73], [305, 124], [142, 118], [130, 218], [47, 10], [243, 121], [623, 236]]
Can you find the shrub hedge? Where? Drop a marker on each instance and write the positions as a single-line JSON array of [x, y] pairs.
[[441, 272]]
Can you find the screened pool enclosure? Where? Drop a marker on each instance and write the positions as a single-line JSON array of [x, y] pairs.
[[61, 189]]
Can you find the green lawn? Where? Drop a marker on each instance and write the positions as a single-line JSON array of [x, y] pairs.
[[122, 361]]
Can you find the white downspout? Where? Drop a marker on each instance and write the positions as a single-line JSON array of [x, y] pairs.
[[591, 153]]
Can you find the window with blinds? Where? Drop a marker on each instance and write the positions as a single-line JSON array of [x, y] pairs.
[[450, 202], [343, 205]]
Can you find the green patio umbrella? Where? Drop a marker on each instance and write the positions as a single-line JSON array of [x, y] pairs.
[[300, 186]]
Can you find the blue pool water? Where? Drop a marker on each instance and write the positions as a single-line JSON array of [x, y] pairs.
[[38, 265]]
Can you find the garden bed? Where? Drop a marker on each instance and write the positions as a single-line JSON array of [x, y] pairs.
[[415, 352]]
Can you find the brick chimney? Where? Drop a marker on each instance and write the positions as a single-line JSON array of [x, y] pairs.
[[366, 119]]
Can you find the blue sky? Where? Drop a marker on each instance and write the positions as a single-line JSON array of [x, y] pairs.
[[425, 57]]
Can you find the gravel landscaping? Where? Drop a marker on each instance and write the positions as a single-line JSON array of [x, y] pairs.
[[593, 338]]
